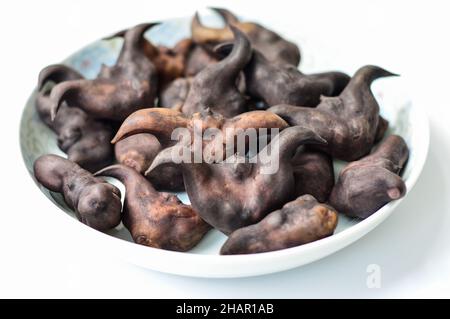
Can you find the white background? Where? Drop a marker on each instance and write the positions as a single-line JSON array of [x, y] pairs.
[[40, 259]]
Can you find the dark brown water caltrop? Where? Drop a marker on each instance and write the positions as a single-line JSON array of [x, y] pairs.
[[348, 122], [299, 222], [156, 219], [231, 195], [96, 203], [85, 140], [366, 185], [118, 90]]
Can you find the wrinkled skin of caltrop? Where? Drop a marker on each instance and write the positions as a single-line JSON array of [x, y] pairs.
[[95, 202], [215, 87], [285, 84], [299, 222], [275, 49], [85, 140], [138, 151], [349, 122], [118, 90], [153, 218], [366, 185], [231, 195], [314, 174]]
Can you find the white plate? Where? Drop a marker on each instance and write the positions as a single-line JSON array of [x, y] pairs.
[[406, 119]]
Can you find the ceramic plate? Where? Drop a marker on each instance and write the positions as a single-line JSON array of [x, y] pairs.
[[406, 119]]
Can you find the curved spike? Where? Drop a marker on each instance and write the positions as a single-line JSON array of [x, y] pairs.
[[157, 121], [256, 120], [226, 15], [60, 92], [203, 34], [57, 73], [118, 34], [292, 137], [369, 73], [127, 175], [163, 157], [238, 58], [134, 36]]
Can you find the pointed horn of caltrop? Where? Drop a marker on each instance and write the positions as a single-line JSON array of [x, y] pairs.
[[236, 60], [226, 15], [57, 73], [127, 175], [61, 92], [364, 77], [202, 34], [163, 157], [158, 121], [118, 34], [133, 38], [256, 120], [240, 54]]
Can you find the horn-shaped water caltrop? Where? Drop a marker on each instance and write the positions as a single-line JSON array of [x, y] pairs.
[[301, 221], [348, 122], [285, 84], [276, 49], [233, 194], [153, 218], [57, 73], [366, 185], [85, 140], [215, 87], [161, 122], [118, 90], [95, 202], [170, 63]]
